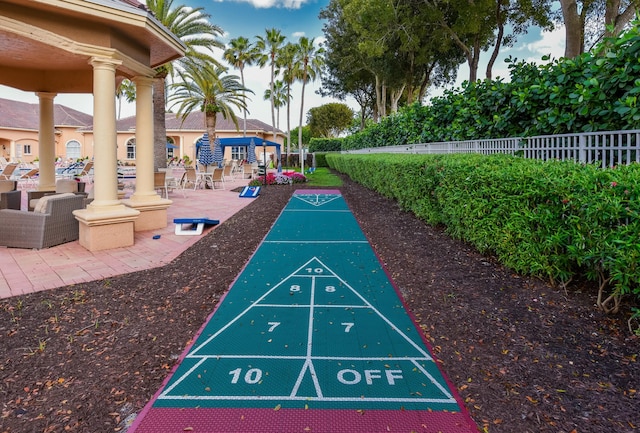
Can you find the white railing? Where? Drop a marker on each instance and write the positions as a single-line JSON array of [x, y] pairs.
[[606, 149]]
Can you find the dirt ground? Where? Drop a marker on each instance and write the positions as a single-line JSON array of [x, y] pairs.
[[525, 357]]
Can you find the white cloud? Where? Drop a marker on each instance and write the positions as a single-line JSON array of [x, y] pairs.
[[550, 43], [265, 4]]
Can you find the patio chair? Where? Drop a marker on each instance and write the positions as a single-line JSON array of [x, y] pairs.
[[171, 182], [247, 171], [189, 179], [8, 170], [159, 183], [10, 196], [51, 223], [217, 177], [227, 171]]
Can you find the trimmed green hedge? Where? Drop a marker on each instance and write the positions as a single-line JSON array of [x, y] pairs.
[[321, 159], [555, 220], [325, 144]]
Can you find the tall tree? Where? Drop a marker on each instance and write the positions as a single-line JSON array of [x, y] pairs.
[[203, 86], [269, 46], [191, 25], [309, 59], [591, 20], [286, 62], [241, 53], [330, 120]]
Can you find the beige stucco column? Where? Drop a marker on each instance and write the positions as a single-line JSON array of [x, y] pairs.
[[106, 223], [46, 143], [152, 207], [12, 151]]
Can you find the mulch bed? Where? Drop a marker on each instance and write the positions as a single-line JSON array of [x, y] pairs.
[[525, 357]]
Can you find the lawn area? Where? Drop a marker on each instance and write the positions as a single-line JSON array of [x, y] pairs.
[[323, 177]]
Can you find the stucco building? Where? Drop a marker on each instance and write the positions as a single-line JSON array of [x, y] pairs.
[[74, 136]]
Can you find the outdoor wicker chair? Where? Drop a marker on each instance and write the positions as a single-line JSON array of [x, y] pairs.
[[51, 223], [9, 197]]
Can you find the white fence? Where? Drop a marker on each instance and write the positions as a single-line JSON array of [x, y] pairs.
[[603, 148]]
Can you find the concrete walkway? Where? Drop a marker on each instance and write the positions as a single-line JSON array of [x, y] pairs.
[[24, 271]]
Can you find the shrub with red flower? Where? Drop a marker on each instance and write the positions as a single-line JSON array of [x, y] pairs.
[[279, 179]]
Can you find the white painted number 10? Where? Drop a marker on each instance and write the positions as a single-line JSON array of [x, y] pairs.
[[252, 376]]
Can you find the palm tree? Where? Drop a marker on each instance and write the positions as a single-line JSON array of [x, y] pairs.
[[279, 98], [241, 53], [268, 47], [204, 87], [126, 91], [286, 60], [191, 25], [309, 60]]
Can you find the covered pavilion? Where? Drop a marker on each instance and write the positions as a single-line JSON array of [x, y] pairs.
[[90, 46], [267, 147]]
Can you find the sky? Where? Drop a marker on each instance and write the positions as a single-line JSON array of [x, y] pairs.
[[296, 18]]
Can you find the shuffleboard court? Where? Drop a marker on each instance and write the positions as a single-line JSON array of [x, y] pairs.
[[311, 337]]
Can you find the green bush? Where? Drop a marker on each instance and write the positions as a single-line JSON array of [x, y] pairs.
[[555, 220]]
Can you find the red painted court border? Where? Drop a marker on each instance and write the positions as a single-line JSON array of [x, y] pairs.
[[227, 420]]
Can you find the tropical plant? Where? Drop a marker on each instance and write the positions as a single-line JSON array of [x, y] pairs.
[[126, 91], [206, 87], [192, 27], [240, 53]]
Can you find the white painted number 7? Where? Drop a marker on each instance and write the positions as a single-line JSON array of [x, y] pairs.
[[272, 325], [347, 326]]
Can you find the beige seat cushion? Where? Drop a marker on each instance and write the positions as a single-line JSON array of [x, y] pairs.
[[7, 185], [66, 185], [41, 205]]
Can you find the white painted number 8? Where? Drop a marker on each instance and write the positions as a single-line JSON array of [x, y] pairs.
[[295, 288], [330, 289]]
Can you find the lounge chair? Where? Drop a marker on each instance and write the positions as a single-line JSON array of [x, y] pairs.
[[8, 171], [86, 175], [51, 223], [29, 178]]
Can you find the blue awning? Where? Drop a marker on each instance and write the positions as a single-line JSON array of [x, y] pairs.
[[244, 141]]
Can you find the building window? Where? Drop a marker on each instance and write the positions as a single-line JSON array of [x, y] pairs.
[[26, 149], [171, 148], [239, 152], [73, 150], [131, 148]]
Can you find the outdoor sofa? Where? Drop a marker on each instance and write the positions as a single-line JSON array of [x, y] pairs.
[[51, 223]]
